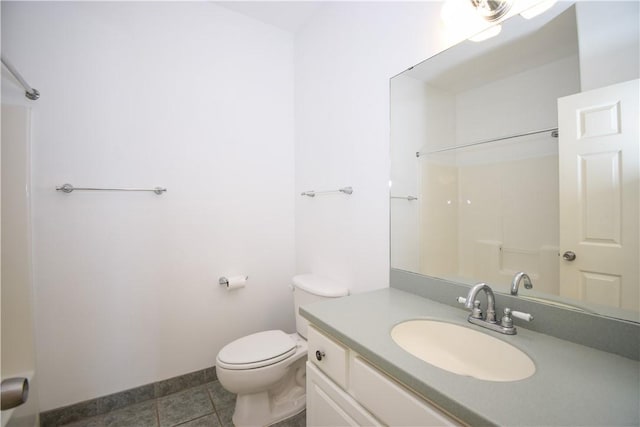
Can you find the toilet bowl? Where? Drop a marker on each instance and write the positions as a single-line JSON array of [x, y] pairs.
[[269, 388], [266, 370]]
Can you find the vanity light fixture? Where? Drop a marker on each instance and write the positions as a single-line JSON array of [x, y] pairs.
[[538, 9], [492, 10], [460, 16]]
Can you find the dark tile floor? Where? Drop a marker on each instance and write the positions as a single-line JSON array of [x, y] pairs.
[[208, 405]]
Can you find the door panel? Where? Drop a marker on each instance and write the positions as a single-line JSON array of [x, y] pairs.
[[599, 159]]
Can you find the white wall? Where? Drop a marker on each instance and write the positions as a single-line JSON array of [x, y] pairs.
[[185, 95], [422, 118], [609, 42], [438, 186], [344, 59], [522, 102], [409, 127], [343, 62]]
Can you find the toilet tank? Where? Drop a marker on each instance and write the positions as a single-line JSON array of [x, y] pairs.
[[308, 288]]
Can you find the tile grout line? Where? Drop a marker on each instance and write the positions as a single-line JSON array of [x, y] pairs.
[[218, 416], [188, 421], [207, 413], [157, 404], [215, 408]]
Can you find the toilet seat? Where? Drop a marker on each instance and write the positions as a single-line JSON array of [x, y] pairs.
[[256, 350]]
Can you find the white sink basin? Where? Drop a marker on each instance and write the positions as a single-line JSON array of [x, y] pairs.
[[462, 350]]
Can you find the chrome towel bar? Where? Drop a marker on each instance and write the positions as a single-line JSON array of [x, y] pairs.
[[29, 92], [554, 133], [68, 188], [311, 193], [409, 198]]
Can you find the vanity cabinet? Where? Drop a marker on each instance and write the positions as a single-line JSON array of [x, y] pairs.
[[343, 389], [329, 405]]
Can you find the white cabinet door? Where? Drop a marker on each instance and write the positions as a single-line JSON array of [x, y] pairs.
[[391, 402], [328, 405], [599, 159]]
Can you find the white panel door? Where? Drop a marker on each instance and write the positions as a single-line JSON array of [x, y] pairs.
[[599, 159]]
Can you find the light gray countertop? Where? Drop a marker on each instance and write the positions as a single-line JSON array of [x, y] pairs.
[[573, 385]]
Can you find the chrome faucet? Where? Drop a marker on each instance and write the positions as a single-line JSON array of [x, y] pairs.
[[521, 276], [491, 302], [505, 326]]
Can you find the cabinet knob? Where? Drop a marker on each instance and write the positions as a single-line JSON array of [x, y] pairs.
[[319, 355]]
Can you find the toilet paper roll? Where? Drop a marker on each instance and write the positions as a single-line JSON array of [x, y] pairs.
[[236, 282]]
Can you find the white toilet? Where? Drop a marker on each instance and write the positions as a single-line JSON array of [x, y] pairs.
[[267, 369]]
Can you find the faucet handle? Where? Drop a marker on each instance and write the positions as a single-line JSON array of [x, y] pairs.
[[508, 314], [476, 313], [507, 319], [520, 315]]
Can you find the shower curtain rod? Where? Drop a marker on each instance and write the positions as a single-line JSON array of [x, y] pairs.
[[554, 134], [29, 92]]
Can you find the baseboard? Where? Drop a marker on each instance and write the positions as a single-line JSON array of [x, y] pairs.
[[102, 405]]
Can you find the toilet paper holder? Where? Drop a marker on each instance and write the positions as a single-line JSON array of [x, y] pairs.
[[224, 281], [14, 392]]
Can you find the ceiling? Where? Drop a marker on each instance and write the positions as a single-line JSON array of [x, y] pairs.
[[287, 15]]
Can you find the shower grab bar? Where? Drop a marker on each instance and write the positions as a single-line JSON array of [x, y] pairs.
[[409, 198], [554, 134], [29, 92], [312, 193], [68, 188]]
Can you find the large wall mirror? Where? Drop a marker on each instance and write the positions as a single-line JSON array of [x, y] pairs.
[[520, 153]]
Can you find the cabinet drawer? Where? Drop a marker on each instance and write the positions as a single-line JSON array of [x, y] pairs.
[[389, 401], [328, 355]]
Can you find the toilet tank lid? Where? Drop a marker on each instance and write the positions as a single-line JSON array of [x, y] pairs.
[[319, 286]]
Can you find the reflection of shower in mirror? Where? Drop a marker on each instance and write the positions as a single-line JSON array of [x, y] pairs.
[[489, 171]]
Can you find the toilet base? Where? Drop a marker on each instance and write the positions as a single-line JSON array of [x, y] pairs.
[[254, 410], [268, 407]]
